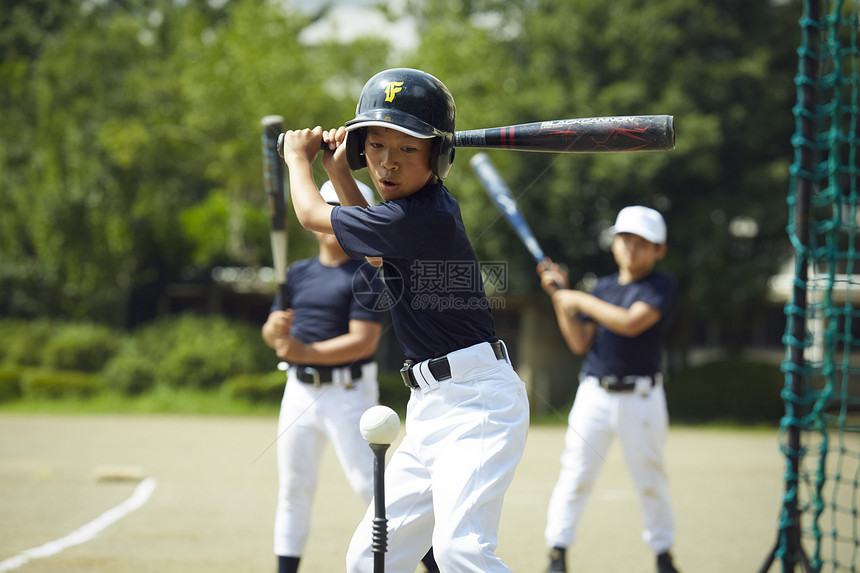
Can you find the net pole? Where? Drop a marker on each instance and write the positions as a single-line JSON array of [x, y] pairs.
[[788, 537]]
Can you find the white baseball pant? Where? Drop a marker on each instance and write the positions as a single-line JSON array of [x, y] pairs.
[[446, 481], [640, 422], [309, 416]]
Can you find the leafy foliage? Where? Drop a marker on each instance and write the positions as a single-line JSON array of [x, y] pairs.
[[10, 382], [724, 71], [125, 117], [59, 384], [22, 342], [730, 390], [188, 351], [84, 347], [265, 388], [130, 149]]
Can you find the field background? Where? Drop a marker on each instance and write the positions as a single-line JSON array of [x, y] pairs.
[[213, 507]]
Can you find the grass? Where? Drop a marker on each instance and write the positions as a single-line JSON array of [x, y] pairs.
[[167, 400], [729, 394], [159, 401], [191, 402]]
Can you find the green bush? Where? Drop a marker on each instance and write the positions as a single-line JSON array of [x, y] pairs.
[[55, 384], [84, 347], [129, 372], [267, 388], [731, 391], [10, 382], [24, 340], [201, 352], [9, 329]]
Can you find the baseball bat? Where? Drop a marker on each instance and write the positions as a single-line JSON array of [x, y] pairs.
[[504, 200], [581, 135], [275, 187], [501, 195]]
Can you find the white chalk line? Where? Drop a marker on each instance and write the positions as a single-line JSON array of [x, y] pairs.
[[85, 533]]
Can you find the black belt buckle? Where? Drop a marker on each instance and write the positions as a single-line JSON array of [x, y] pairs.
[[314, 373], [613, 383], [407, 376], [355, 372], [499, 350], [609, 383]]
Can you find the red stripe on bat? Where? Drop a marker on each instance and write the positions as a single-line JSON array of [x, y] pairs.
[[508, 138]]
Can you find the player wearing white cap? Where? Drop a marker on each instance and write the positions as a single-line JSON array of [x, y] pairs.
[[621, 325], [328, 337]]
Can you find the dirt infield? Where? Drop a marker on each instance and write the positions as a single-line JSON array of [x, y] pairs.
[[213, 504]]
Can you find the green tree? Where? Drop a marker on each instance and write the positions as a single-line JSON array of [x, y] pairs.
[[722, 69], [130, 141], [25, 27], [133, 122]]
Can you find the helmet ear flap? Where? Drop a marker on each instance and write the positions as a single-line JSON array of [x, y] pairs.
[[442, 156], [355, 149]]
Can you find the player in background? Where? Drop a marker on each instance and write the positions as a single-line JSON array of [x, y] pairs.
[[621, 325], [467, 416], [328, 340]]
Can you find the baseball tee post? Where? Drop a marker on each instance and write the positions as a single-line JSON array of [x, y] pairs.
[[379, 426], [380, 521]]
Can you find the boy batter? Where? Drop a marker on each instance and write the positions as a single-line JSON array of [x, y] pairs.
[[621, 325], [467, 416]]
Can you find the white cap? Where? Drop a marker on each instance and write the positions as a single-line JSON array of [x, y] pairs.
[[330, 195], [642, 221]]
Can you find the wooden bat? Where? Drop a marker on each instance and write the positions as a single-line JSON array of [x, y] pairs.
[[582, 135], [275, 187]]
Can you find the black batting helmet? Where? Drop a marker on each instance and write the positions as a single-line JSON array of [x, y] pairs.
[[410, 101]]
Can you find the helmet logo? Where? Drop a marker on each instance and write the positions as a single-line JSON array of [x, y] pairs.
[[392, 89]]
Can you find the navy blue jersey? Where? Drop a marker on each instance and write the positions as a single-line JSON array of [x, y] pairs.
[[432, 278], [613, 354], [324, 298]]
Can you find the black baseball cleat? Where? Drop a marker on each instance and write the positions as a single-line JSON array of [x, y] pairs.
[[429, 561], [557, 561], [664, 563]]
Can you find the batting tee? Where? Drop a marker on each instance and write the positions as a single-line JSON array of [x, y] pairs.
[[818, 528]]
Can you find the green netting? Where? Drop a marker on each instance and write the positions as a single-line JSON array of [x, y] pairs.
[[820, 432]]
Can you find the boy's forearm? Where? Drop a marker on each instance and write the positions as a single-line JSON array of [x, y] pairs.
[[601, 311], [627, 322], [276, 327], [346, 189], [269, 335], [576, 334], [338, 350], [312, 212]]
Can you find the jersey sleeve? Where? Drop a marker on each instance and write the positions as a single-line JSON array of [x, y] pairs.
[[382, 230], [660, 292]]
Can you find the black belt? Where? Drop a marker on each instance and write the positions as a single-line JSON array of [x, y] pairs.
[[440, 368], [317, 375], [623, 384]]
